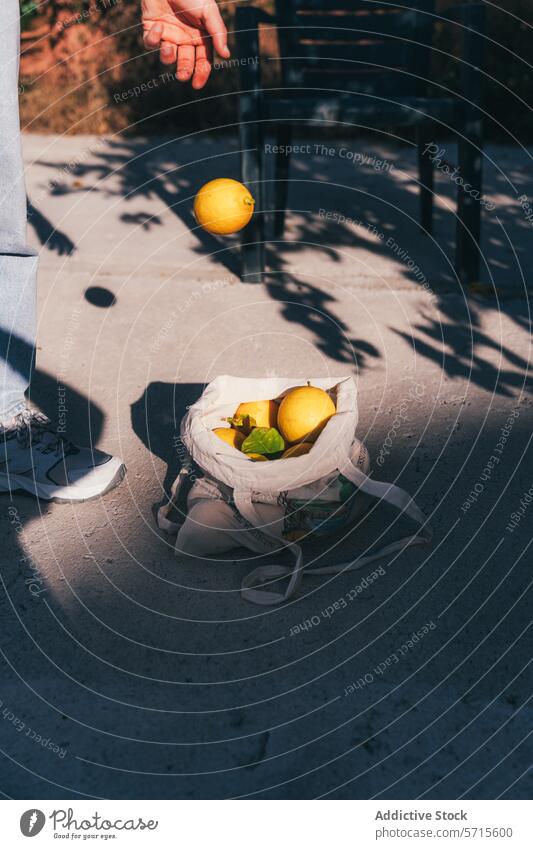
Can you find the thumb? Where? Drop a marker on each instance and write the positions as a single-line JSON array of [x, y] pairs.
[[216, 28]]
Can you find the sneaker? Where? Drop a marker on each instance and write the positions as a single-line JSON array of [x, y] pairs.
[[35, 459]]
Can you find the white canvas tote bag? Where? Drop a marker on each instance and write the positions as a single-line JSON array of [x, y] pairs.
[[248, 504]]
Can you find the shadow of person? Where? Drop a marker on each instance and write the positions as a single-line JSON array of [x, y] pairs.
[[85, 418], [48, 235], [25, 594]]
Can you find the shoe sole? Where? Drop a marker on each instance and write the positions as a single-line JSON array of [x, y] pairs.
[[116, 480]]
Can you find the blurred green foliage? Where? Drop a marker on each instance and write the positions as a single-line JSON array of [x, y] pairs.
[[28, 10]]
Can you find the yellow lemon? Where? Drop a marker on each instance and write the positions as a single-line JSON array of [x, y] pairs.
[[232, 437], [223, 206], [264, 413], [257, 458], [297, 450], [304, 413]]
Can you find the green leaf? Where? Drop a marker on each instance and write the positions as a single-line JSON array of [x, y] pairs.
[[263, 440]]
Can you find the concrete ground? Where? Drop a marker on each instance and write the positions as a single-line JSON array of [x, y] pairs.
[[129, 673]]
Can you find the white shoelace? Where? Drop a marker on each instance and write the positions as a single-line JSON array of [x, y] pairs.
[[30, 427]]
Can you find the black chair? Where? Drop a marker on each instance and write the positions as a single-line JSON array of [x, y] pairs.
[[365, 62]]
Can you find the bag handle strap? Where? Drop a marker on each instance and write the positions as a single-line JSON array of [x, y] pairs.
[[388, 492], [263, 540], [165, 511], [392, 494]]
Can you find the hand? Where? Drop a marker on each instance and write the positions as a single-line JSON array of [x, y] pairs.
[[185, 32]]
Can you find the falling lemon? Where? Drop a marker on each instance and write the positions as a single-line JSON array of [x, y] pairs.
[[304, 413], [232, 437], [223, 206], [297, 450]]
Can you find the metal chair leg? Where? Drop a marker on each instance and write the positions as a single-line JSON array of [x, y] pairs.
[[251, 140], [281, 177], [252, 237], [469, 200], [426, 178], [468, 232]]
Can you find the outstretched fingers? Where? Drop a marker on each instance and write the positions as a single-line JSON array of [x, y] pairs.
[[153, 36], [168, 53], [186, 62], [202, 68]]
